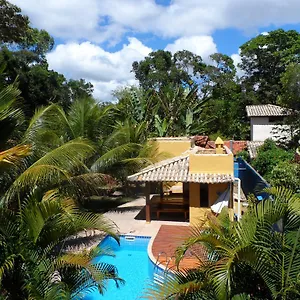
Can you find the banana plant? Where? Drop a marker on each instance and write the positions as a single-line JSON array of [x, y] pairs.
[[161, 126]]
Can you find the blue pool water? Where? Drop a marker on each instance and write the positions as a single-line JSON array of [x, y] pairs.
[[133, 264]]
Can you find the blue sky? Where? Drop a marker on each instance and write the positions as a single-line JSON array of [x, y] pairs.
[[99, 39], [229, 40]]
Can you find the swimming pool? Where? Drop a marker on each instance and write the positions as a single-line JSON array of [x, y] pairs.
[[133, 264]]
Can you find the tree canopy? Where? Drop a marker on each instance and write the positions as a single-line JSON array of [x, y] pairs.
[[161, 68], [13, 24], [265, 59], [23, 52]]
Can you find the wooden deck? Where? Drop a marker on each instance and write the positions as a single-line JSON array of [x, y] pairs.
[[168, 238]]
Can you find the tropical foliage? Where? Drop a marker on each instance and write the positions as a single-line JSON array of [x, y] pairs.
[[276, 165], [267, 73], [48, 166], [256, 258], [59, 146], [43, 177], [33, 263], [286, 174]]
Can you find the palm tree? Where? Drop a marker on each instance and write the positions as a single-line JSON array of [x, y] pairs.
[[123, 151], [12, 155], [85, 119], [43, 178], [33, 262], [11, 114], [256, 258], [59, 152], [127, 150], [52, 161]]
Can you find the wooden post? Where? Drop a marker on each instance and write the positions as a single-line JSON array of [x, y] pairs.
[[161, 191], [148, 204], [185, 190]]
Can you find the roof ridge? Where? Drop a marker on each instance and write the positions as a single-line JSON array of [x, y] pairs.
[[160, 164]]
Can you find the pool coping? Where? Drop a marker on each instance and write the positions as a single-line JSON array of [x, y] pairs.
[[152, 257]]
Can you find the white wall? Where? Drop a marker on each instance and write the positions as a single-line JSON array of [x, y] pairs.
[[261, 129]]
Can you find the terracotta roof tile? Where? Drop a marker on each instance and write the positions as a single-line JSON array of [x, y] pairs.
[[200, 140], [237, 146]]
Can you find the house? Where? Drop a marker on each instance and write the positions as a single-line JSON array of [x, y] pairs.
[[190, 182], [264, 122]]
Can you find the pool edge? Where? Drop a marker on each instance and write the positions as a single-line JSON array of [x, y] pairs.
[[152, 257]]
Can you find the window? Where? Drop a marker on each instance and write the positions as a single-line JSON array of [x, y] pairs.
[[204, 195]]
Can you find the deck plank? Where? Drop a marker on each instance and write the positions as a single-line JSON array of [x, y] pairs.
[[168, 239]]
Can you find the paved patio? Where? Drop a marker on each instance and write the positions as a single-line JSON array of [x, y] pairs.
[[130, 219]]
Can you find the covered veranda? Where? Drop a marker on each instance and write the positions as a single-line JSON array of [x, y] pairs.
[[170, 188]]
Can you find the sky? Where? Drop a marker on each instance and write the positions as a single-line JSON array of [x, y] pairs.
[[99, 39]]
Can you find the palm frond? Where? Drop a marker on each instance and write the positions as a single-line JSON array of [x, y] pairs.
[[53, 167], [87, 119], [7, 266], [14, 155], [9, 106], [45, 120], [114, 156], [86, 184], [181, 285]]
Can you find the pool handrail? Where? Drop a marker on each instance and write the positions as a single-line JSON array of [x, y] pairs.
[[157, 263]]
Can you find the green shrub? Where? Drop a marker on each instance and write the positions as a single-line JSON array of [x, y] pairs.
[[244, 154], [286, 174], [269, 156]]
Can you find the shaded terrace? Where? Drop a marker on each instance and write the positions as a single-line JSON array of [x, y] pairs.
[[193, 170]]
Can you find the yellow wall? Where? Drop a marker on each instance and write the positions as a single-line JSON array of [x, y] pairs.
[[197, 212], [214, 163], [194, 195], [214, 190], [198, 215], [173, 147]]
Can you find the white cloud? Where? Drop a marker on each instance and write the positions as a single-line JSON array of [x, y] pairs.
[[103, 90], [236, 57], [104, 69], [108, 20], [200, 45], [107, 71], [71, 19]]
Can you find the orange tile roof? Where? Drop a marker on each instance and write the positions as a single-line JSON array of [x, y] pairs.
[[204, 142], [237, 146]]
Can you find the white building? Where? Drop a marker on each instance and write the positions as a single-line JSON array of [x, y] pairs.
[[264, 122]]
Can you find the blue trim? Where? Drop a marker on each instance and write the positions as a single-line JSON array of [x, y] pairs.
[[252, 181]]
